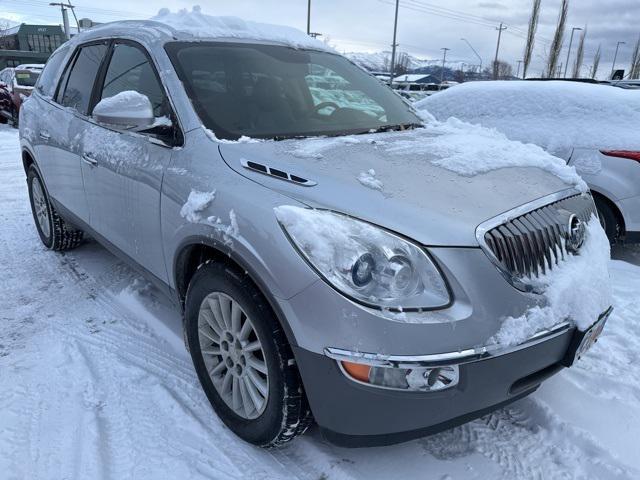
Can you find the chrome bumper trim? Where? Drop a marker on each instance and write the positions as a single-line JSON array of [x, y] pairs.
[[439, 359]]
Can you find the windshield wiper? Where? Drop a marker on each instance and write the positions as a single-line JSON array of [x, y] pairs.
[[395, 128]]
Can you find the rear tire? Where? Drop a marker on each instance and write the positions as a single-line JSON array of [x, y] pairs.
[[284, 412], [54, 232], [609, 220]]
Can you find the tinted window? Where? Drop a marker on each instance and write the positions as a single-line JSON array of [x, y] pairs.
[[130, 69], [77, 93], [278, 92], [49, 77]]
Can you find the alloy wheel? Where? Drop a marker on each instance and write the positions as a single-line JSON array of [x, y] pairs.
[[233, 355], [41, 207]]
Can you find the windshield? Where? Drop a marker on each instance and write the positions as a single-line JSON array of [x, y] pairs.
[[26, 78], [266, 91]]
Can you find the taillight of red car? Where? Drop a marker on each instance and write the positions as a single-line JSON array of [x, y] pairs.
[[630, 154]]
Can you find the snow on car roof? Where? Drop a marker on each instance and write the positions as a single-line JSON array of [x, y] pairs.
[[555, 115], [200, 25], [189, 25]]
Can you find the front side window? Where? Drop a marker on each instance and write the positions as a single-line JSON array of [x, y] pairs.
[[49, 77], [81, 77], [266, 91], [130, 69]]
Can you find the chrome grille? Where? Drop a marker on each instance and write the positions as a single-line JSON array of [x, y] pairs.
[[531, 240]]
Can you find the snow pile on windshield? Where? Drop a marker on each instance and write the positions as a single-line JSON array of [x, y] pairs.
[[555, 115], [199, 25], [578, 289], [457, 146]]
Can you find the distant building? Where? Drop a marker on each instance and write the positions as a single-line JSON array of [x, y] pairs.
[[29, 44]]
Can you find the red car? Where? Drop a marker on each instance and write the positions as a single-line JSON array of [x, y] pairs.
[[16, 83]]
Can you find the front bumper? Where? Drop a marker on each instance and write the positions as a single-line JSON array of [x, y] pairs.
[[354, 414]]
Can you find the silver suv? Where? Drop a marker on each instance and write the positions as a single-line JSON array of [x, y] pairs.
[[321, 276]]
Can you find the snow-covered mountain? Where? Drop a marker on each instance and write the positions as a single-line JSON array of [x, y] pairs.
[[379, 61]]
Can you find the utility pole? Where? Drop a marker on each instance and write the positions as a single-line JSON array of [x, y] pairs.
[[444, 59], [474, 51], [65, 17], [393, 46], [518, 72], [566, 66], [495, 62], [615, 57], [309, 18]]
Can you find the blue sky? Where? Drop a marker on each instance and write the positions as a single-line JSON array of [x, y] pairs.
[[424, 26]]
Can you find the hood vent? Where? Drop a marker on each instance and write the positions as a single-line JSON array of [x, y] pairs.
[[274, 172]]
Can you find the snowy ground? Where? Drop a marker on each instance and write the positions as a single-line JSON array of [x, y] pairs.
[[95, 383]]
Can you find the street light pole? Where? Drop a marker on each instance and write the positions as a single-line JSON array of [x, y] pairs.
[[566, 66], [474, 51], [394, 45], [495, 62], [444, 59], [615, 57], [65, 17], [309, 18]]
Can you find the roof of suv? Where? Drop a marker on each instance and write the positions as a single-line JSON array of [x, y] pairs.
[[194, 25]]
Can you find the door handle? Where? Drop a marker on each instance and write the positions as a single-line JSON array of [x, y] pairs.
[[44, 135], [89, 160]]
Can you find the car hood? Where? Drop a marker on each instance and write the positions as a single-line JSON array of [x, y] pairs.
[[403, 191]]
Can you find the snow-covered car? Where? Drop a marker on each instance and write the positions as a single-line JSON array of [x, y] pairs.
[[343, 262], [6, 104], [19, 83], [592, 127]]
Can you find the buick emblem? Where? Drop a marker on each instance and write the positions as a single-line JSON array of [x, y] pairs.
[[575, 234]]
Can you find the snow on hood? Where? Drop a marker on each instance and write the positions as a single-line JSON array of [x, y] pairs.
[[200, 25], [465, 149], [578, 289], [555, 115], [434, 184]]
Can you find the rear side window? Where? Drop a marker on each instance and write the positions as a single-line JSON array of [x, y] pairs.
[[49, 77], [130, 69], [81, 77]]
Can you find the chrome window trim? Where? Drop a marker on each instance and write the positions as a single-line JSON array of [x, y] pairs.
[[461, 357]]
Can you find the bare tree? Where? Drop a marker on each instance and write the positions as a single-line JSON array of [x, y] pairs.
[[634, 73], [558, 37], [503, 70], [402, 63], [577, 66], [531, 36], [596, 61]]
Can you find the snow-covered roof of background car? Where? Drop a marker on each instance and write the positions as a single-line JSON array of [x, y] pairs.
[[195, 25]]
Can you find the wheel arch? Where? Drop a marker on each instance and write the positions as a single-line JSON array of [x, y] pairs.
[[196, 251]]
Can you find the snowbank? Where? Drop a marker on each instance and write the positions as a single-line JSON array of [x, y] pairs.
[[555, 115], [206, 26], [578, 289], [457, 146]]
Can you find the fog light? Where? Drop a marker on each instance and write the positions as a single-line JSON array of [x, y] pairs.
[[418, 379]]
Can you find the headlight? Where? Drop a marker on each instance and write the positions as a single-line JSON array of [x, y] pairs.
[[364, 262]]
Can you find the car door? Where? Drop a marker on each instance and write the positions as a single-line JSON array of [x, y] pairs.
[[123, 170], [60, 128]]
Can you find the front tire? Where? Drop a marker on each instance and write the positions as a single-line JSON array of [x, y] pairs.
[[54, 232], [608, 220], [243, 360]]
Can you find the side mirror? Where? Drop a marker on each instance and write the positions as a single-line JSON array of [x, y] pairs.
[[129, 110]]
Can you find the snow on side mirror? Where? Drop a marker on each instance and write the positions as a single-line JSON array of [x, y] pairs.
[[128, 109]]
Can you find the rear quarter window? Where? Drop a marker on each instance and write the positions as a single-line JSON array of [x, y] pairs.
[[51, 74]]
